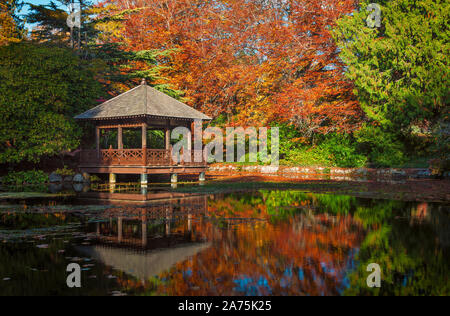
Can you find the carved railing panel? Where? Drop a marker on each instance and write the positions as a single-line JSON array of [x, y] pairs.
[[159, 157], [122, 157]]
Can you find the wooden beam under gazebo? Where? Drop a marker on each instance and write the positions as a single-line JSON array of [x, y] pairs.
[[145, 108]]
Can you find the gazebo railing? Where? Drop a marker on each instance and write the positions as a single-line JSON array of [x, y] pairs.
[[158, 157], [137, 157]]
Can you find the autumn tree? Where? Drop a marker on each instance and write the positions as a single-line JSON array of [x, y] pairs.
[[11, 28], [252, 61]]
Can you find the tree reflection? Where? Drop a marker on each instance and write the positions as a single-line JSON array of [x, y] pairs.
[[315, 244], [291, 250], [259, 243]]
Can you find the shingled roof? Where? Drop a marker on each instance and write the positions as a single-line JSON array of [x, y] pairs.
[[142, 100]]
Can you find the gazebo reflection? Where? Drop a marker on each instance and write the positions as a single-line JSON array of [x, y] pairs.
[[153, 225], [145, 240]]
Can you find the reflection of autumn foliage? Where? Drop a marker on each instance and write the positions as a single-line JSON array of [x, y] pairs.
[[295, 243], [305, 254]]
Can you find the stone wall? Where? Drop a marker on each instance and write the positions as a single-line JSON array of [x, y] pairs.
[[332, 173]]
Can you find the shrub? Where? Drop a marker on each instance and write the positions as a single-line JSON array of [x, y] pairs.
[[65, 171], [382, 148], [95, 178], [26, 177], [342, 151], [332, 151], [441, 164]]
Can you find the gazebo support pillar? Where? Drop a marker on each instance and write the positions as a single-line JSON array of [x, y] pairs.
[[120, 137], [167, 134], [97, 141], [112, 178], [144, 143], [144, 180]]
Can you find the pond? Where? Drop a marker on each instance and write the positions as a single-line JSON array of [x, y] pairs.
[[265, 242]]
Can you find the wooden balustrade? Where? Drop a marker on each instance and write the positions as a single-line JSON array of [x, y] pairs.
[[137, 157]]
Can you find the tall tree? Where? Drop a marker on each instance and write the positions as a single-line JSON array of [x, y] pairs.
[[400, 70], [254, 61], [50, 20], [117, 67], [41, 89]]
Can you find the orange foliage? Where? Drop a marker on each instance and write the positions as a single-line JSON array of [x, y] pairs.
[[254, 61]]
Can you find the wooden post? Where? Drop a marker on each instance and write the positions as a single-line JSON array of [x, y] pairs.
[[144, 143], [119, 137], [167, 134], [97, 141], [190, 145]]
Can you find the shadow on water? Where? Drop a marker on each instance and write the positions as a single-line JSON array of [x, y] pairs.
[[265, 242]]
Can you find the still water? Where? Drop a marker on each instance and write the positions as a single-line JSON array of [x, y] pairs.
[[259, 243]]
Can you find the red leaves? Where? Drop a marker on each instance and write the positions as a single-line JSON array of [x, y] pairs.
[[258, 61]]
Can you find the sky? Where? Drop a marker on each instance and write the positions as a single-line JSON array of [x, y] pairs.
[[37, 2], [26, 8]]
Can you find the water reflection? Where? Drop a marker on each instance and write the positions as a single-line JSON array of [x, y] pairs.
[[260, 243]]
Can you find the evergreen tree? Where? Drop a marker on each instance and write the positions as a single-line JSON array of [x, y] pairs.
[[41, 89], [118, 68], [400, 69]]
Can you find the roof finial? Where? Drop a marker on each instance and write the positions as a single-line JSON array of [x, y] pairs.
[[143, 81]]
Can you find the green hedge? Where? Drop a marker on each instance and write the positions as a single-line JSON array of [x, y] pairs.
[[25, 177]]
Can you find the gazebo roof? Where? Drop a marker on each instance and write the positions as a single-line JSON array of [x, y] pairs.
[[142, 100]]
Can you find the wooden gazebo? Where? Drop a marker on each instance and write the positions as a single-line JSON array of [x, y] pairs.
[[145, 108]]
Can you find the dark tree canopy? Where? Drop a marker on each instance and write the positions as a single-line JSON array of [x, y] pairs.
[[41, 89]]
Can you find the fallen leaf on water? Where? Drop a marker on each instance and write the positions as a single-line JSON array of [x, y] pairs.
[[6, 279], [43, 246]]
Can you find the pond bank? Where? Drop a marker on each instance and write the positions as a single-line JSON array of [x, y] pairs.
[[425, 190], [327, 173]]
